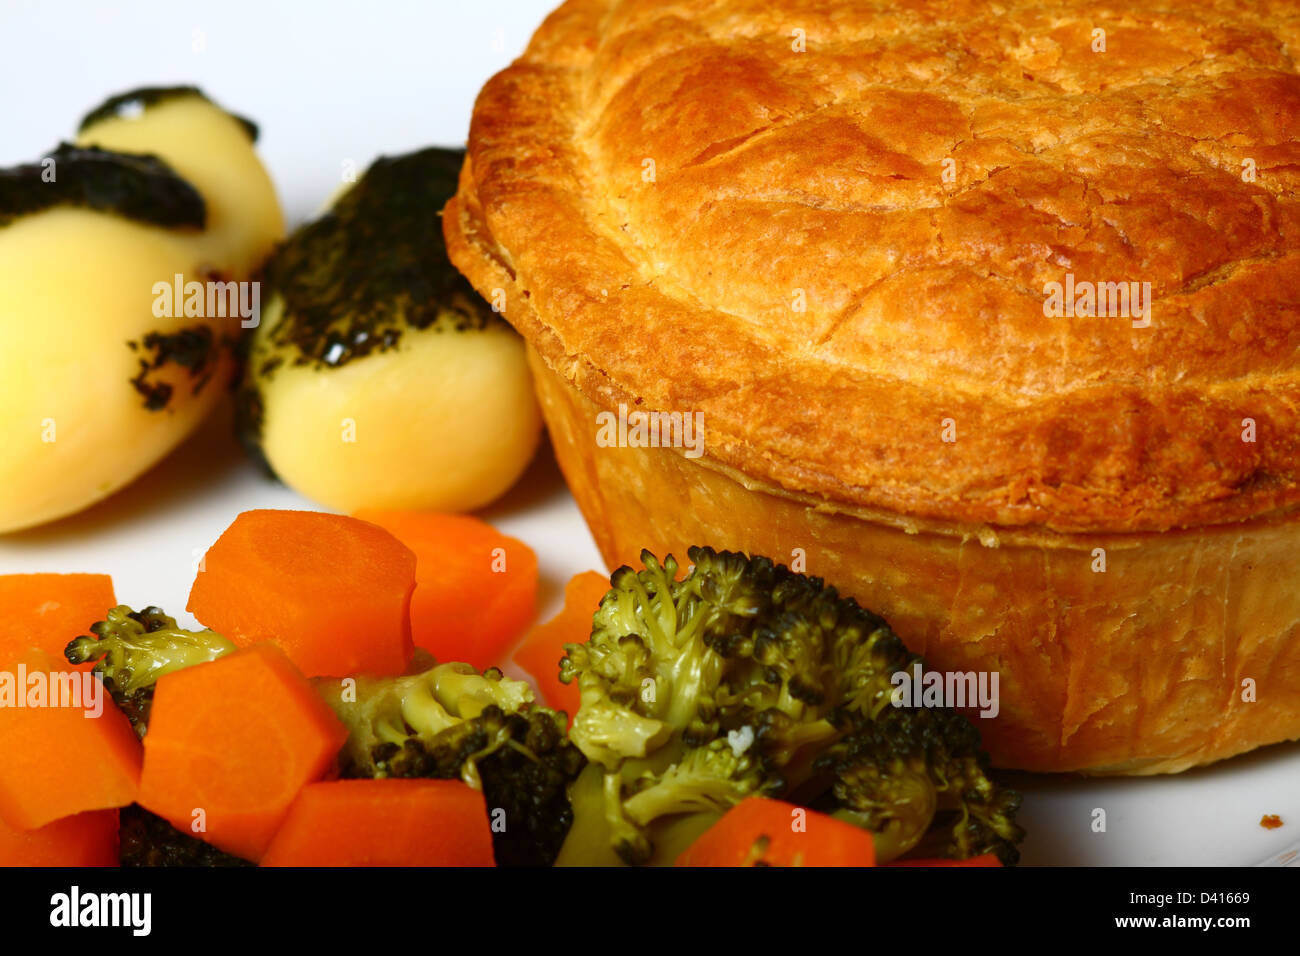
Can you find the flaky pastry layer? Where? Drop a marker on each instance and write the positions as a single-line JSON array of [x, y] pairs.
[[830, 228]]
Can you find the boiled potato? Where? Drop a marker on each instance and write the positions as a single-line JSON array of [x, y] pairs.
[[378, 378], [101, 374], [212, 150]]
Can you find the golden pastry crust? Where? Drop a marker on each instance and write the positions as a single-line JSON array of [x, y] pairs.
[[1184, 650], [776, 171]]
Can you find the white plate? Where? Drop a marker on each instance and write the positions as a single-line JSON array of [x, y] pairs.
[[332, 84], [149, 537]]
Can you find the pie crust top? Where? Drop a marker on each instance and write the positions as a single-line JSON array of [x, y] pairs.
[[832, 227]]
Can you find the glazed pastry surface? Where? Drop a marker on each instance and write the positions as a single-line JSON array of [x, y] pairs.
[[832, 229]]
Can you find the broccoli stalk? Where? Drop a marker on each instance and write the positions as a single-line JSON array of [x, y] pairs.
[[745, 678]]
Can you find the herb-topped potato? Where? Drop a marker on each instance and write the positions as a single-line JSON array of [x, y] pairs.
[[209, 148], [124, 268], [378, 378]]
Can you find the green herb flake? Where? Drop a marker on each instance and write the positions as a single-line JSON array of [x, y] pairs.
[[193, 349], [374, 266], [148, 96], [140, 187]]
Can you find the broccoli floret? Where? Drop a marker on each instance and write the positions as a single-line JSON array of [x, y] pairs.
[[132, 649], [413, 708], [919, 775], [745, 678], [451, 722], [149, 840]]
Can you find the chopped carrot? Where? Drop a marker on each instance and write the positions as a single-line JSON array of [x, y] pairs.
[[64, 747], [540, 653], [384, 823], [758, 831], [988, 859], [476, 588], [47, 611], [333, 592], [87, 839], [231, 743]]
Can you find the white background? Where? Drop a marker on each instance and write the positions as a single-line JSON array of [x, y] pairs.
[[331, 83], [328, 82]]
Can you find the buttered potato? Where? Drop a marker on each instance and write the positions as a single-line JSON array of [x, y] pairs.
[[378, 378], [213, 151], [124, 285]]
